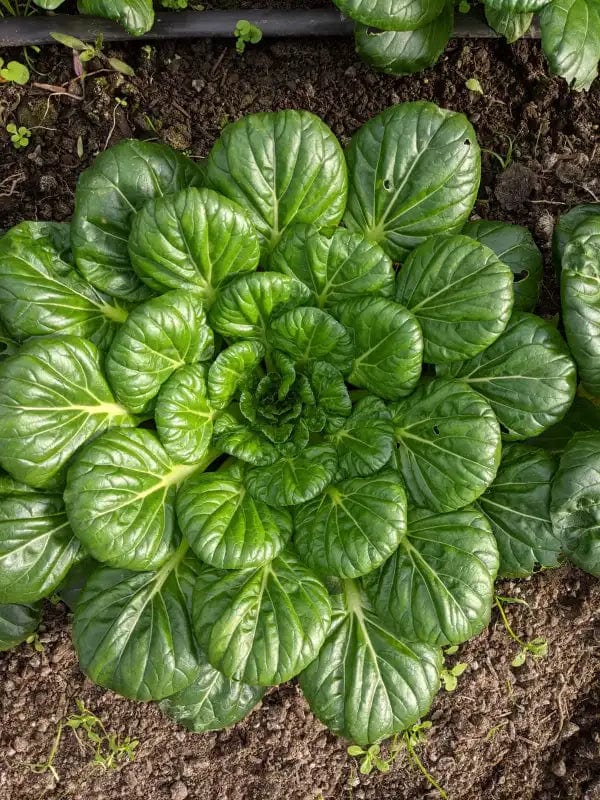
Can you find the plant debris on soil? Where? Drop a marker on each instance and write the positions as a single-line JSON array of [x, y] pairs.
[[527, 733]]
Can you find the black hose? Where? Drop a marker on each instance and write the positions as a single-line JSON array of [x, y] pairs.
[[23, 31]]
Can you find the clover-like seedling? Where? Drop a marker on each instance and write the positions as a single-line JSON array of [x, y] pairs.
[[246, 33], [19, 136]]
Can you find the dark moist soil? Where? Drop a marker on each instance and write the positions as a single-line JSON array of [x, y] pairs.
[[531, 733]]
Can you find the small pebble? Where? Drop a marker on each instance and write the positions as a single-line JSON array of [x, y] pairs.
[[179, 791]]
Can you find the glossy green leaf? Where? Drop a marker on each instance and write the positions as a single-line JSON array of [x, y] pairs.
[[195, 239], [309, 334], [71, 587], [388, 345], [581, 417], [53, 398], [183, 415], [225, 526], [404, 52], [511, 25], [438, 587], [283, 168], [120, 499], [37, 547], [262, 625], [294, 478], [353, 526], [333, 264], [517, 505], [397, 15], [331, 394], [413, 172], [211, 701], [460, 293], [575, 504], [516, 248], [580, 296], [159, 336], [136, 16], [245, 308], [232, 435], [230, 369], [527, 375], [571, 40], [516, 6], [565, 228], [108, 193], [133, 632], [364, 442], [17, 623], [367, 684], [448, 443], [40, 293]]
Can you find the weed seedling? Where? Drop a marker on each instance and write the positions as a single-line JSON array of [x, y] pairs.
[[108, 750], [246, 33], [13, 72], [537, 648], [18, 136], [473, 85], [450, 676], [506, 159]]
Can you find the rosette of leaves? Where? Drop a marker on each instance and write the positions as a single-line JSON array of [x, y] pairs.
[[244, 446], [400, 37]]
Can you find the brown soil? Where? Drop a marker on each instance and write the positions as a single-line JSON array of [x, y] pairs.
[[505, 734]]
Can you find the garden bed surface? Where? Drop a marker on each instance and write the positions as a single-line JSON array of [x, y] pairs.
[[530, 733]]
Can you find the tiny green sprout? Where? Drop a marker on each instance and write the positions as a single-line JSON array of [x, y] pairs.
[[411, 739], [148, 51], [120, 101], [450, 651], [369, 759], [18, 136], [473, 85], [494, 730], [246, 33], [13, 72], [507, 158], [176, 5], [536, 648], [464, 7], [35, 642], [449, 676]]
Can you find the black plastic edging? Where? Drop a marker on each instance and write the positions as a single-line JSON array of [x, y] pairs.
[[23, 31]]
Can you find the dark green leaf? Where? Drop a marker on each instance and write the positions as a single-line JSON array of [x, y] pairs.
[[195, 239], [364, 442], [225, 526], [527, 375], [120, 499], [230, 369], [571, 40], [283, 168], [108, 193], [183, 415], [448, 445], [438, 586], [392, 14], [576, 502], [582, 416], [263, 625], [333, 264], [310, 334], [245, 308], [159, 336], [18, 623], [407, 51], [460, 293], [37, 547], [388, 345], [366, 684], [516, 248], [352, 527], [132, 630], [294, 478], [413, 171], [211, 701], [565, 228], [510, 24], [580, 295], [136, 16], [53, 398], [517, 504]]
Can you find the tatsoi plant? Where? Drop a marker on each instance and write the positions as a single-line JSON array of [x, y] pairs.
[[243, 446], [405, 36], [136, 16]]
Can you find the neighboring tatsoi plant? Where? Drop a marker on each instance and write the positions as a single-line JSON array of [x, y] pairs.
[[405, 36], [244, 447], [136, 16]]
